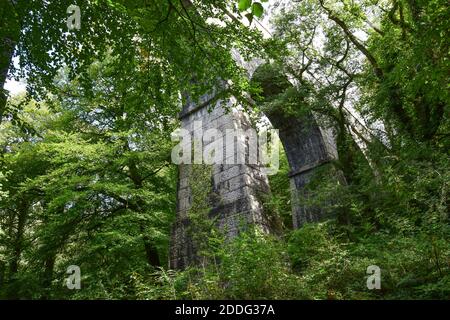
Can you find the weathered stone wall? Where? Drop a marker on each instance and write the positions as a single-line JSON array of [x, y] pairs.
[[235, 190], [307, 147]]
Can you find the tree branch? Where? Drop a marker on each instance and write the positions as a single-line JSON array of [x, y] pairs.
[[352, 38]]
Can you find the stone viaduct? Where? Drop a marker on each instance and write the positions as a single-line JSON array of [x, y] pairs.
[[235, 189]]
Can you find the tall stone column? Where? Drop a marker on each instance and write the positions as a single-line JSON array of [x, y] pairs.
[[307, 147], [234, 191]]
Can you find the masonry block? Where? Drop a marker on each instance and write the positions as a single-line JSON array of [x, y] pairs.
[[234, 189]]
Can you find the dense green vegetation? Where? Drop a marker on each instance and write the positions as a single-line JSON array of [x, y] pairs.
[[86, 177]]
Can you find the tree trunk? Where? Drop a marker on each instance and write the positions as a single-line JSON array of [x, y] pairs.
[[18, 241], [9, 35], [49, 264], [151, 251], [17, 248], [2, 276]]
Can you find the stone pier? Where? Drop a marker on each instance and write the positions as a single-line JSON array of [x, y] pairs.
[[307, 147], [235, 192]]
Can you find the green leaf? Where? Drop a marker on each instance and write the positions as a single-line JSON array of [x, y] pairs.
[[244, 5], [249, 17], [257, 9]]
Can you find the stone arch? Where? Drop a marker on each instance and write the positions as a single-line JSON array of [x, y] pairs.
[[307, 145], [235, 190]]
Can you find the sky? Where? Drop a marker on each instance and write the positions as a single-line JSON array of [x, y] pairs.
[[13, 86]]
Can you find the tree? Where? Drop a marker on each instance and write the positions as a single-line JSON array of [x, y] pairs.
[[177, 40]]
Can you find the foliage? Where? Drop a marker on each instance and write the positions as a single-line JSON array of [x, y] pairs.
[[335, 269], [86, 177], [181, 50], [251, 266]]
